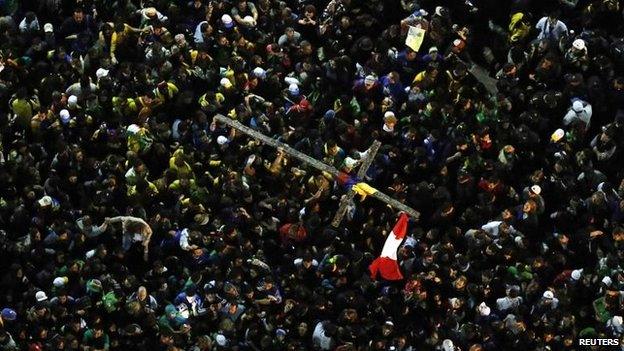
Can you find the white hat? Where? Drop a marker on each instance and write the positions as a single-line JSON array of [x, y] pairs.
[[557, 135], [438, 10], [65, 117], [483, 309], [72, 100], [48, 28], [59, 281], [45, 201], [576, 274], [259, 72], [579, 44], [133, 128], [179, 38], [350, 162], [101, 72], [248, 19], [226, 83], [447, 345], [221, 140], [536, 189], [607, 281], [616, 321], [227, 21], [221, 340], [370, 79], [577, 106], [433, 49], [548, 294], [293, 89], [388, 114], [41, 296]]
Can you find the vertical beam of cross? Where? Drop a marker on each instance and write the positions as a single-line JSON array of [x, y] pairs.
[[348, 197], [288, 150]]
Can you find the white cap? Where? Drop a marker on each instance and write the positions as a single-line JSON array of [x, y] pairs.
[[536, 189], [41, 296], [577, 106], [447, 345], [483, 309], [259, 72], [433, 49], [616, 321], [576, 274], [607, 281], [579, 44], [48, 28], [133, 128], [101, 72], [221, 140], [291, 80], [221, 340], [293, 89], [45, 201], [370, 79], [388, 114], [557, 135], [226, 83], [248, 19], [227, 21], [59, 281], [548, 294], [72, 100], [179, 38], [65, 117], [350, 162]]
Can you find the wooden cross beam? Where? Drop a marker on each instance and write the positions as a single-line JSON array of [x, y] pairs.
[[346, 200], [288, 150]]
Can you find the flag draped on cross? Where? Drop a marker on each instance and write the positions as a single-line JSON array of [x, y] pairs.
[[356, 185], [386, 264]]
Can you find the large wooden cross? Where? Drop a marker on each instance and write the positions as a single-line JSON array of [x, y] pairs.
[[346, 200]]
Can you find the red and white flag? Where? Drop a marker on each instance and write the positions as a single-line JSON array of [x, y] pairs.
[[386, 264]]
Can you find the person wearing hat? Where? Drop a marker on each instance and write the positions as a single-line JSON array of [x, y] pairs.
[[433, 56], [615, 326], [368, 88], [7, 316], [171, 322], [579, 113], [227, 22], [577, 55], [149, 15], [135, 231]]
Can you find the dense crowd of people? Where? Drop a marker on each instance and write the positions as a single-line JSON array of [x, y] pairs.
[[132, 220]]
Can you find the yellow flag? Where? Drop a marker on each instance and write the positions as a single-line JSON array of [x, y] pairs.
[[415, 37], [363, 190]]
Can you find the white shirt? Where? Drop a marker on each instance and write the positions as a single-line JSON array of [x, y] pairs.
[[583, 116], [507, 302], [319, 339], [548, 31]]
